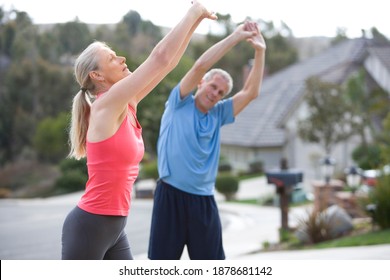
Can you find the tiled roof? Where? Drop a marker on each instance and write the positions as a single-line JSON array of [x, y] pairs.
[[260, 124]]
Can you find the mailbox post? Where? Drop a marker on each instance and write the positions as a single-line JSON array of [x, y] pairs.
[[284, 179]]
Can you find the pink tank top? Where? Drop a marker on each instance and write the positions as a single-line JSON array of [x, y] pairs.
[[113, 166]]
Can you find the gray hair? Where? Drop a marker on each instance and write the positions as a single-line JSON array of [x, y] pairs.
[[217, 71]]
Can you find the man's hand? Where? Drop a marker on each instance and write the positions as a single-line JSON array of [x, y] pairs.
[[256, 40], [243, 32]]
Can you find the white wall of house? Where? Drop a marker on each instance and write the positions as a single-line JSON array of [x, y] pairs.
[[378, 71], [241, 157], [301, 155], [306, 156]]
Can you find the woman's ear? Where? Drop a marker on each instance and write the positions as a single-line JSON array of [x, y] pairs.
[[94, 75]]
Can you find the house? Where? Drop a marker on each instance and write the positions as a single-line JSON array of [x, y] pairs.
[[266, 130]]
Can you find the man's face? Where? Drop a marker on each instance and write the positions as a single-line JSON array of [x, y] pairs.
[[210, 92]]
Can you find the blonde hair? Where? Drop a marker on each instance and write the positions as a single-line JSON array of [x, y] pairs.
[[217, 71], [81, 107]]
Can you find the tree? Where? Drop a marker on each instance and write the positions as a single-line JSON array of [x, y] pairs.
[[133, 22], [34, 90], [341, 35], [51, 138], [281, 53], [379, 37], [384, 140], [73, 36], [328, 121], [357, 97], [365, 105], [16, 124]]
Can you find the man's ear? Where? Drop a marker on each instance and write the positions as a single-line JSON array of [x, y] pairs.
[[201, 82]]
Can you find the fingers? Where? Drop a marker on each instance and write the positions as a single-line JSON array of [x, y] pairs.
[[242, 32], [212, 15], [206, 13], [251, 26], [256, 39]]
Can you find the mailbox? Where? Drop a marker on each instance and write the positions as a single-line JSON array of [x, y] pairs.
[[284, 180]]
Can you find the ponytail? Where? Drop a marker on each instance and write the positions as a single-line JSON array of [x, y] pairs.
[[81, 109]]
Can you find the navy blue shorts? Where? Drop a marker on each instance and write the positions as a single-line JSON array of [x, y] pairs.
[[180, 219]]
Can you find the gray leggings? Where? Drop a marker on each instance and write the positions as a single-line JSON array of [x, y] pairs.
[[87, 236]]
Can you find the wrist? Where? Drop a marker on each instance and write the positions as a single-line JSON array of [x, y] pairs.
[[198, 10]]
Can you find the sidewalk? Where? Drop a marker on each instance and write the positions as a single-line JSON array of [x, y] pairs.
[[248, 227]]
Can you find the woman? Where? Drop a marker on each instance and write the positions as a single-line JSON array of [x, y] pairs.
[[108, 134]]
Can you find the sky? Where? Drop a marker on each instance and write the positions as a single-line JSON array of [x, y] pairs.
[[304, 17]]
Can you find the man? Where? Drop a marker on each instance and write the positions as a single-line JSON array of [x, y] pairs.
[[185, 212]]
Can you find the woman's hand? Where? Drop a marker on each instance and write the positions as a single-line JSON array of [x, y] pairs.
[[205, 12]]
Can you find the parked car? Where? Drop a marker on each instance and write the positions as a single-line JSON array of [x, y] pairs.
[[369, 177]]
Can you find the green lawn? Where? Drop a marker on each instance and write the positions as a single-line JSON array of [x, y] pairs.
[[362, 235], [369, 238]]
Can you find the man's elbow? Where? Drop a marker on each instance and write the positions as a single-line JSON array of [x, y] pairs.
[[252, 94], [201, 66], [255, 94]]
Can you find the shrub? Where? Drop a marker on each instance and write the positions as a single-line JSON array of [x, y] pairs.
[[71, 181], [367, 157], [380, 197], [256, 167], [314, 228], [74, 176], [224, 167], [227, 184], [319, 226], [149, 170], [74, 164]]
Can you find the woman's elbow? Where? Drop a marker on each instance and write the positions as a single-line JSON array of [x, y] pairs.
[[161, 57]]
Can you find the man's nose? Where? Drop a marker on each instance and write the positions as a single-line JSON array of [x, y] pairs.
[[215, 93]]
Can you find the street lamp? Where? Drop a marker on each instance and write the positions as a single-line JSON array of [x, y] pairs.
[[353, 177], [327, 168]]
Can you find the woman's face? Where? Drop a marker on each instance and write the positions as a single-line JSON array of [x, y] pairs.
[[112, 68]]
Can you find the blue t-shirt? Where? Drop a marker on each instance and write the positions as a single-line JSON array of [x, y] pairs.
[[189, 143]]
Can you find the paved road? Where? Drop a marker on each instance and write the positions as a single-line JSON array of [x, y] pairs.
[[31, 229]]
